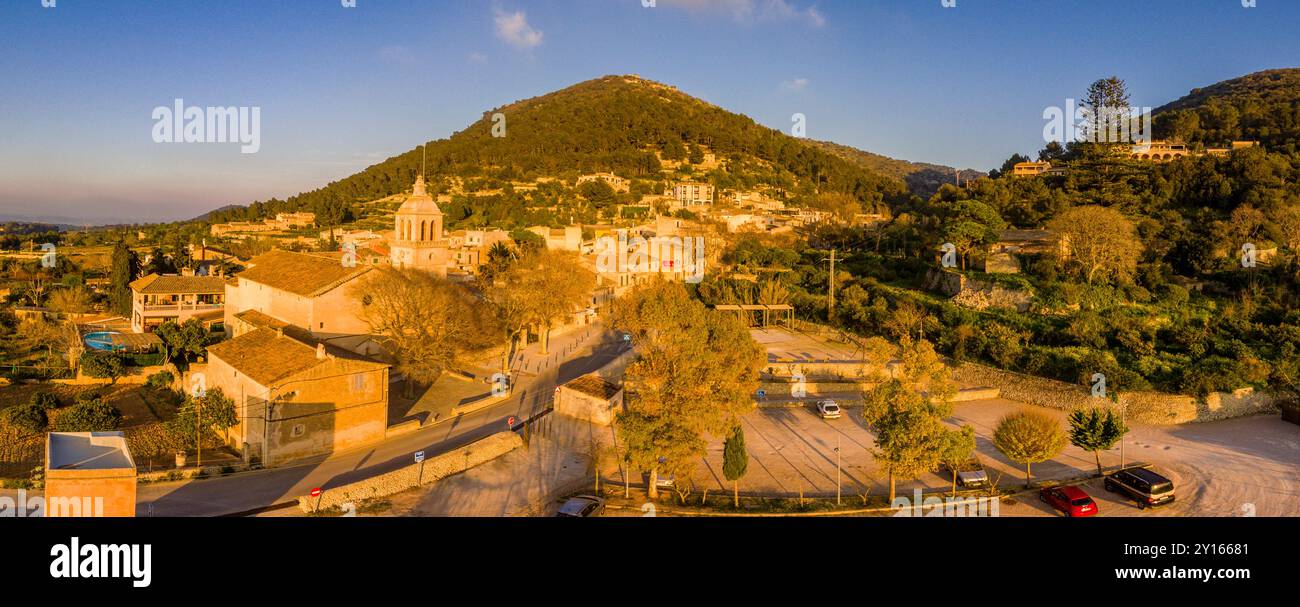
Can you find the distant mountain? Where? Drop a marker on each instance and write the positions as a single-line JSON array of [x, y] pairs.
[[923, 179], [1263, 106], [623, 124]]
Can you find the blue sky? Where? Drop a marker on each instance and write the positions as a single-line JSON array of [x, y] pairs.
[[342, 88]]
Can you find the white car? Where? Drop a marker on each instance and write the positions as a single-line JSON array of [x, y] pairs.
[[828, 409]]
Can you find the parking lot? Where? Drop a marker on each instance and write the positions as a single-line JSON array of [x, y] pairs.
[[1239, 467]]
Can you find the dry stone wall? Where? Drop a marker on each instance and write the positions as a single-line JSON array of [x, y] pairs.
[[432, 469]]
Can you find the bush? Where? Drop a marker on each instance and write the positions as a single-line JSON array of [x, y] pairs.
[[91, 416], [160, 380], [103, 365], [29, 417], [45, 400]]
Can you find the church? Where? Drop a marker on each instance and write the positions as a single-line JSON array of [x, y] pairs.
[[418, 240]]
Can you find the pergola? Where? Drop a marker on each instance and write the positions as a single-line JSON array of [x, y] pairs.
[[762, 313]]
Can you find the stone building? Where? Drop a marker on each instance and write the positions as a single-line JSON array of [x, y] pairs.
[[590, 398], [296, 397], [317, 292]]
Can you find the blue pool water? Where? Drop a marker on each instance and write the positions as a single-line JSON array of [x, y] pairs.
[[101, 340]]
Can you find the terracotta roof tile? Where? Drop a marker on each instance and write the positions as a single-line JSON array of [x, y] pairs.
[[170, 283], [308, 274]]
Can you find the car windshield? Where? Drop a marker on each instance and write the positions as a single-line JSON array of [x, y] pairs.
[[1082, 501]]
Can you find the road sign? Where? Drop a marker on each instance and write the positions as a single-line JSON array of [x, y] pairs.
[[510, 423], [419, 456], [762, 393], [315, 492]]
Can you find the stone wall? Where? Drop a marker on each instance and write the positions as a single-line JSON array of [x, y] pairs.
[[432, 469], [1149, 407]]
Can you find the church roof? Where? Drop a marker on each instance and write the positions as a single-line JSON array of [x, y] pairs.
[[419, 202]]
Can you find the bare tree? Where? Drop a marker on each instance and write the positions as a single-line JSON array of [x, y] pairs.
[[423, 321]]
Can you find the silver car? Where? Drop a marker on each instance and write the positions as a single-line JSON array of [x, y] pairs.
[[828, 409], [582, 506]]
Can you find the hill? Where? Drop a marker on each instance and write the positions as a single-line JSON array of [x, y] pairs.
[[922, 178], [1263, 106], [634, 127]]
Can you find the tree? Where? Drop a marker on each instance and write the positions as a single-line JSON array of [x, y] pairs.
[[598, 193], [1098, 242], [1096, 430], [537, 290], [103, 365], [72, 300], [969, 224], [735, 460], [1106, 103], [181, 342], [1028, 437], [124, 267], [906, 412], [424, 322], [202, 417], [958, 448], [696, 374]]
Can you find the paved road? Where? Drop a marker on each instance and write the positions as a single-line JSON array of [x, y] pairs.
[[246, 491]]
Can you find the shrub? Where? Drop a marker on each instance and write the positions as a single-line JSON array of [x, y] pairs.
[[45, 400], [103, 365], [160, 380], [91, 416], [29, 417]]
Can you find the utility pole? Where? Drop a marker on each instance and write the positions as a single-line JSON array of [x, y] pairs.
[[837, 468], [830, 307], [198, 430]]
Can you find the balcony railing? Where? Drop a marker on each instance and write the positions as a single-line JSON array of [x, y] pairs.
[[182, 307]]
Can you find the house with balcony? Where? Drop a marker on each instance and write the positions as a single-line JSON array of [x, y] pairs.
[[158, 298]]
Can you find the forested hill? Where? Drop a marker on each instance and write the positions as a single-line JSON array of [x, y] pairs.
[[623, 124], [1263, 106], [922, 178]]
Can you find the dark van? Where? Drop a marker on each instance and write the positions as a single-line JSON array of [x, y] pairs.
[[1143, 485]]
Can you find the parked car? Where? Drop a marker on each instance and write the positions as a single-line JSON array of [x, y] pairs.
[[1070, 500], [828, 409], [582, 506], [970, 475], [1141, 484]]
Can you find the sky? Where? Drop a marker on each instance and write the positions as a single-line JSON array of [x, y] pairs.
[[338, 88]]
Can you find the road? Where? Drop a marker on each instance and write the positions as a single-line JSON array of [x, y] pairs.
[[249, 490]]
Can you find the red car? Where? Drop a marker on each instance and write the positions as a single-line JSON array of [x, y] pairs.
[[1070, 500]]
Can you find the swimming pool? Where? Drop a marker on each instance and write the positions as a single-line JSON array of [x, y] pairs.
[[101, 340]]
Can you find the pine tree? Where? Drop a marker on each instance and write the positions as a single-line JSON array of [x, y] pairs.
[[1096, 430], [735, 460]]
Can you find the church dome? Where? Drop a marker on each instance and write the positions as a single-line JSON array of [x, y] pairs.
[[419, 202]]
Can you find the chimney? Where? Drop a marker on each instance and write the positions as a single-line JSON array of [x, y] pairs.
[[320, 352]]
